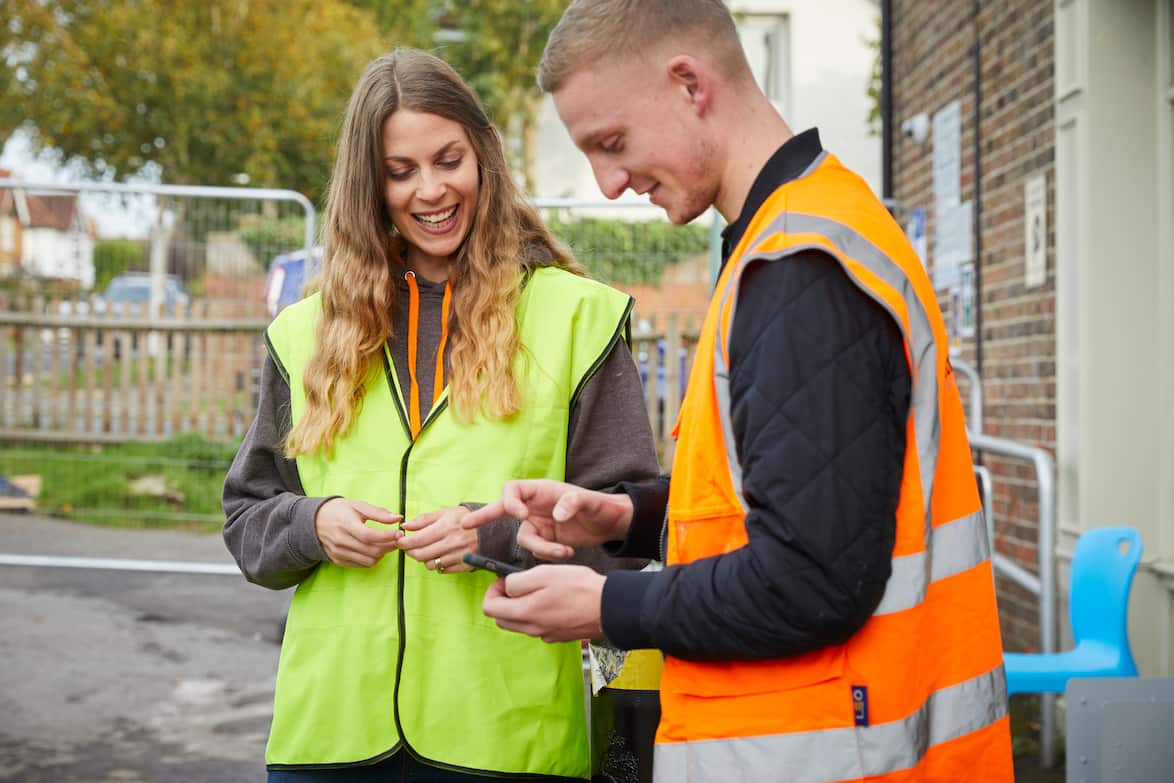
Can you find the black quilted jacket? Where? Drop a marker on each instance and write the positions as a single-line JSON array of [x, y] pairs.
[[819, 390]]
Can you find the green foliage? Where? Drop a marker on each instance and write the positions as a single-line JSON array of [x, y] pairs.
[[499, 54], [267, 238], [874, 82], [619, 251], [402, 22], [92, 483], [115, 256], [198, 92]]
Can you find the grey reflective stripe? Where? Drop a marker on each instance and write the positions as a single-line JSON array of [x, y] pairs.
[[922, 347], [721, 387], [954, 547], [814, 164], [836, 755]]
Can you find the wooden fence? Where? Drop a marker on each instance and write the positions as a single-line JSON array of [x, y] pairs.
[[72, 375], [665, 356]]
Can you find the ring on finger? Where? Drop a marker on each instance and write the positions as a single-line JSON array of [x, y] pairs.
[[439, 565]]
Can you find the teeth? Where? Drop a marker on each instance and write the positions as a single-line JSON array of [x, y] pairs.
[[438, 217]]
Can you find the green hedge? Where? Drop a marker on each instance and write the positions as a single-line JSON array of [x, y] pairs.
[[114, 256], [616, 251], [268, 238], [623, 251]]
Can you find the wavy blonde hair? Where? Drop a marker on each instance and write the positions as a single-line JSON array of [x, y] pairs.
[[506, 241]]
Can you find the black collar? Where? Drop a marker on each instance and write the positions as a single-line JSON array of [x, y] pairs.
[[788, 162]]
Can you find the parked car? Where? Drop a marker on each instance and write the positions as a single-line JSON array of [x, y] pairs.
[[130, 292], [288, 276]]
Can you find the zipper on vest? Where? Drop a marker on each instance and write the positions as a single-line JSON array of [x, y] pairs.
[[401, 622]]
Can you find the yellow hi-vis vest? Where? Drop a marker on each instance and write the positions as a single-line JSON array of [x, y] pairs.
[[397, 656], [916, 695]]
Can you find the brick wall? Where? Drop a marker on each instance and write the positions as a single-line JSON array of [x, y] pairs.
[[932, 66]]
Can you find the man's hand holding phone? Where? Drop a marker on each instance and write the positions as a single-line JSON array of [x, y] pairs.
[[556, 516], [556, 603]]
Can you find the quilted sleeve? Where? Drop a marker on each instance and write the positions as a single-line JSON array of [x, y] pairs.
[[819, 389]]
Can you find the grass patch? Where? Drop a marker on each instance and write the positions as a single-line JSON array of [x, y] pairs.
[[173, 484]]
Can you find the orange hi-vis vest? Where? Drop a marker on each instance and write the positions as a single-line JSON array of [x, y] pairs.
[[918, 693]]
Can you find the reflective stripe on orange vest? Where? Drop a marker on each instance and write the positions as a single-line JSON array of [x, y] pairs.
[[918, 693]]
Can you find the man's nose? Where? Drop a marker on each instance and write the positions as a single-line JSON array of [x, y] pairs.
[[612, 180]]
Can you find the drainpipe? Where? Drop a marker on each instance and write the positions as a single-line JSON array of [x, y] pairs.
[[976, 52], [886, 99]]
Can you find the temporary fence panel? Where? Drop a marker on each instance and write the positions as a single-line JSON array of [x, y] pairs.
[[128, 368]]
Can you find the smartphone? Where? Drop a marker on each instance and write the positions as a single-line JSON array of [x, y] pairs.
[[496, 566]]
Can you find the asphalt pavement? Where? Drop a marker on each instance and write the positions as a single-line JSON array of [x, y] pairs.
[[118, 675]]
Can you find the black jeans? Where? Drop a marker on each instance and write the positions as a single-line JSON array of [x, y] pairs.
[[400, 768]]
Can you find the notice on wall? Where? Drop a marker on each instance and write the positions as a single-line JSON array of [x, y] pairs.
[[947, 155], [952, 244], [966, 313], [952, 217], [1035, 231]]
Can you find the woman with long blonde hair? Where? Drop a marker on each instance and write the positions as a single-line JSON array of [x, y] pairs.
[[454, 344]]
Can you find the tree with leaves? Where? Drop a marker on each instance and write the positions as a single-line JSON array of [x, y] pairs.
[[498, 46], [199, 92]]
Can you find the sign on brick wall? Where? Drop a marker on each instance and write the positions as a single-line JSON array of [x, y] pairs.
[[1035, 231]]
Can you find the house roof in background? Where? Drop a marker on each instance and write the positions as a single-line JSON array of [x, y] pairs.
[[52, 211]]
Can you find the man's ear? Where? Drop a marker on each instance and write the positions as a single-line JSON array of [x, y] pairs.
[[694, 78]]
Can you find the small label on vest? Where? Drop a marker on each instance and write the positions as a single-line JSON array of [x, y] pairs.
[[860, 704]]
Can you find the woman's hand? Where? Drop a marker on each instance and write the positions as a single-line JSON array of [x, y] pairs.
[[438, 540], [346, 540]]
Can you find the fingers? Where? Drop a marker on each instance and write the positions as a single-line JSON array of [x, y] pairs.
[[542, 548], [517, 496], [424, 520], [506, 610], [553, 602], [484, 515], [376, 513], [447, 564], [575, 502], [438, 526], [384, 539], [426, 537], [450, 550], [351, 558]]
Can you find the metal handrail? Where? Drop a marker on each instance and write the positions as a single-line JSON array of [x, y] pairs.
[[974, 384], [1043, 585]]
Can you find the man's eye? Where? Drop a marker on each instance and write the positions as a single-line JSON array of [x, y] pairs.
[[612, 145]]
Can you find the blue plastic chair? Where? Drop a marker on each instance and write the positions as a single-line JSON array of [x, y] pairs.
[[1102, 572]]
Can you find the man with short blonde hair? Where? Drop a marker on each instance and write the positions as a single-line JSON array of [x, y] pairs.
[[589, 31], [827, 609]]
